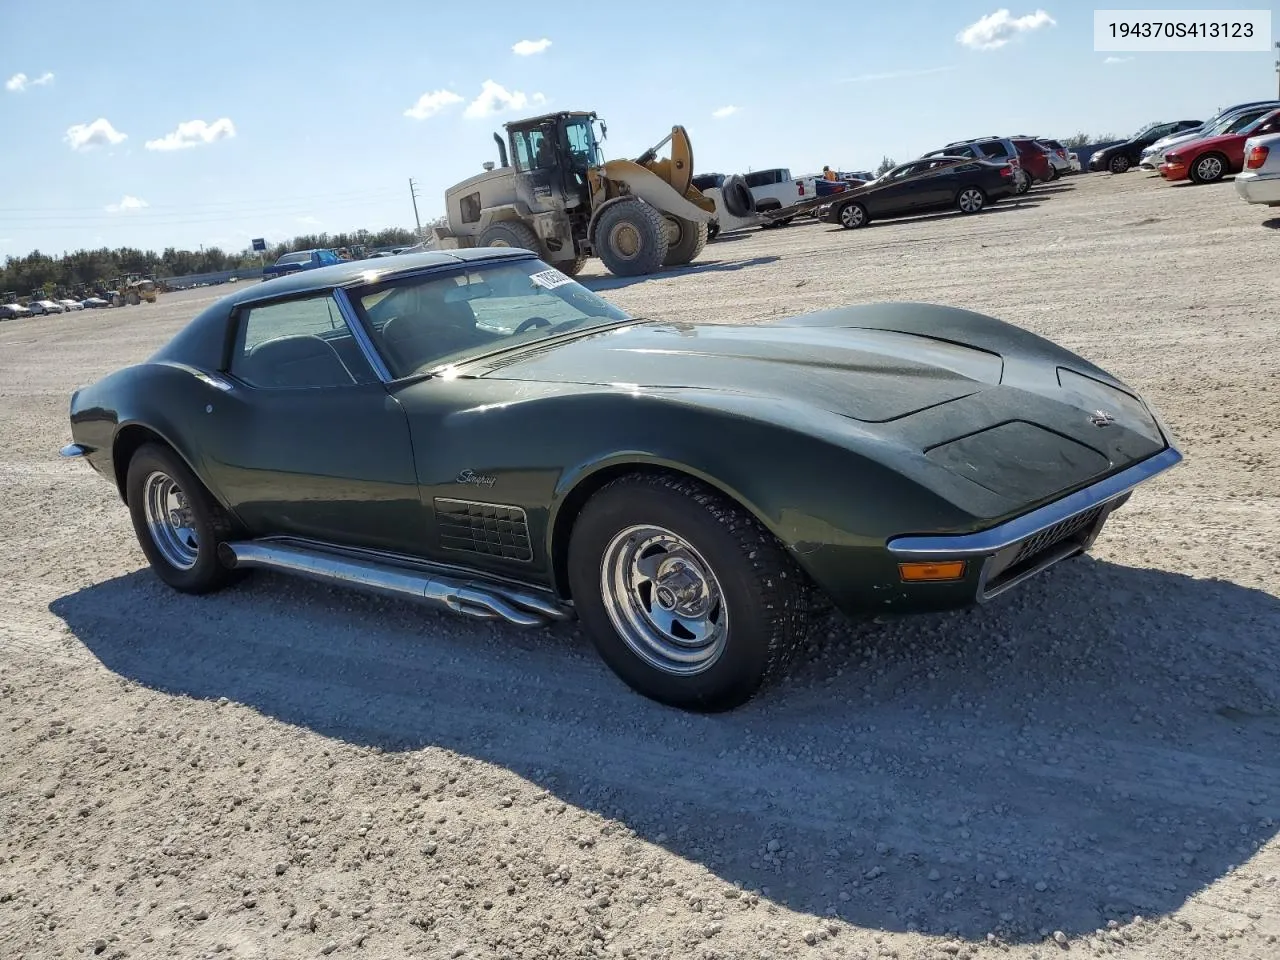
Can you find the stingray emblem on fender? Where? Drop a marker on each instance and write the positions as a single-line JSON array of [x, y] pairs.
[[480, 480], [1100, 418]]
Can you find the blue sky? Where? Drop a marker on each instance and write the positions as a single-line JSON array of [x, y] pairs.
[[235, 120]]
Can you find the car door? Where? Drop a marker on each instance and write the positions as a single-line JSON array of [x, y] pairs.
[[306, 441], [936, 185], [897, 196]]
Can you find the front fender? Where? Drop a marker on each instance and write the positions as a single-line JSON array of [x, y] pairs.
[[831, 505], [165, 399]]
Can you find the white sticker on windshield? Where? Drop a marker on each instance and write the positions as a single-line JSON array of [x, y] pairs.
[[550, 279]]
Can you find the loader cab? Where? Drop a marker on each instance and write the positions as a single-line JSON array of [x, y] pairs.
[[554, 152]]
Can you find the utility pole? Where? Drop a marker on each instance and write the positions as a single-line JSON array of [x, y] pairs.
[[413, 193], [1278, 68]]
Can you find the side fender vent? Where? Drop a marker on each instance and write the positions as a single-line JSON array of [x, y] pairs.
[[490, 529]]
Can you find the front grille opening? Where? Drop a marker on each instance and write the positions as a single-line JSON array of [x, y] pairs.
[[1042, 550]]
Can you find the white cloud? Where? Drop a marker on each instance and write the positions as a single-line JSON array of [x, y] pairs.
[[1117, 59], [996, 29], [724, 112], [495, 98], [85, 136], [20, 81], [193, 133], [126, 203], [429, 104], [527, 48], [895, 75]]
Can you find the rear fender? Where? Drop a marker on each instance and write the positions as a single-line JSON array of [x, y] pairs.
[[651, 188]]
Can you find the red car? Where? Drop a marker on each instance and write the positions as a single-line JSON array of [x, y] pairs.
[[1034, 160], [1212, 158]]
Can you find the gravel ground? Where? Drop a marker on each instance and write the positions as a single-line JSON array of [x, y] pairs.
[[1086, 767]]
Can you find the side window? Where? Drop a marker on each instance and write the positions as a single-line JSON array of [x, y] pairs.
[[297, 344], [1269, 126]]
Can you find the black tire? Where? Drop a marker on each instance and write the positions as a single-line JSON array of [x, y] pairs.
[[510, 233], [211, 524], [631, 222], [1023, 184], [1208, 168], [1119, 163], [691, 238], [713, 230], [971, 199], [571, 268], [851, 216], [738, 199], [765, 596]]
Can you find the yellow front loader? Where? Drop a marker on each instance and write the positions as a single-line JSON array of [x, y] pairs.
[[556, 195]]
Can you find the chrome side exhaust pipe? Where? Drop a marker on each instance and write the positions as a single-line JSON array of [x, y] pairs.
[[473, 598]]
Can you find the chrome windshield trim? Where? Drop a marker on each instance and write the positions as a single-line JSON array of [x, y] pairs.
[[1019, 528], [358, 331]]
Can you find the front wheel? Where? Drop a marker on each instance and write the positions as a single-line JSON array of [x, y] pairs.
[[179, 525], [631, 238], [971, 200], [688, 599], [1209, 169], [1119, 163], [853, 216]]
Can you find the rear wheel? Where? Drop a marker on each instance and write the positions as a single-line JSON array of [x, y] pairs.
[[510, 233], [1022, 182], [178, 523], [631, 238], [971, 200], [853, 216], [685, 240], [1119, 163], [688, 599], [1209, 168]]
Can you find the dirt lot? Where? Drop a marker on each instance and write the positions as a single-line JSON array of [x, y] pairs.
[[1089, 766]]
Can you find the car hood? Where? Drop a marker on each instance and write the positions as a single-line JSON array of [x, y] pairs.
[[1222, 140], [873, 376]]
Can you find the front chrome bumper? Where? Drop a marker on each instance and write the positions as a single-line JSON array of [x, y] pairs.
[[1022, 547]]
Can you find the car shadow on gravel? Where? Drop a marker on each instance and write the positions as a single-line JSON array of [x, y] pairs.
[[1098, 744], [599, 284], [1004, 206]]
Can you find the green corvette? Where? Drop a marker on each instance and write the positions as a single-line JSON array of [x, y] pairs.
[[475, 430]]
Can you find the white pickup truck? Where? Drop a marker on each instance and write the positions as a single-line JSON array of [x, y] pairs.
[[776, 188]]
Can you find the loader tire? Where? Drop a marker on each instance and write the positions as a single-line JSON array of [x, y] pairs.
[[631, 239], [737, 196], [510, 233], [571, 268], [690, 238]]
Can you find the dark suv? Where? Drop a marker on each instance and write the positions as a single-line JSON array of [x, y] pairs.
[[998, 149]]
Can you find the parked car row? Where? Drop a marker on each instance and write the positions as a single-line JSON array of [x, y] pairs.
[[12, 311], [1220, 150]]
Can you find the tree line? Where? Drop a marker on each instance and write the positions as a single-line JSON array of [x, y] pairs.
[[83, 268]]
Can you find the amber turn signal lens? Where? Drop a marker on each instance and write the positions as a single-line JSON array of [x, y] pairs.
[[917, 572]]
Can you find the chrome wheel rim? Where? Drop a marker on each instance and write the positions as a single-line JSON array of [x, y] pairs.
[[851, 216], [1209, 168], [170, 520], [1120, 164], [970, 200], [664, 600]]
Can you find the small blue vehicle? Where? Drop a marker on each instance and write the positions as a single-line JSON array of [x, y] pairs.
[[301, 260]]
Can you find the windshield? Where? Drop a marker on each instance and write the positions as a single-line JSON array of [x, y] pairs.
[[1145, 130], [423, 323]]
